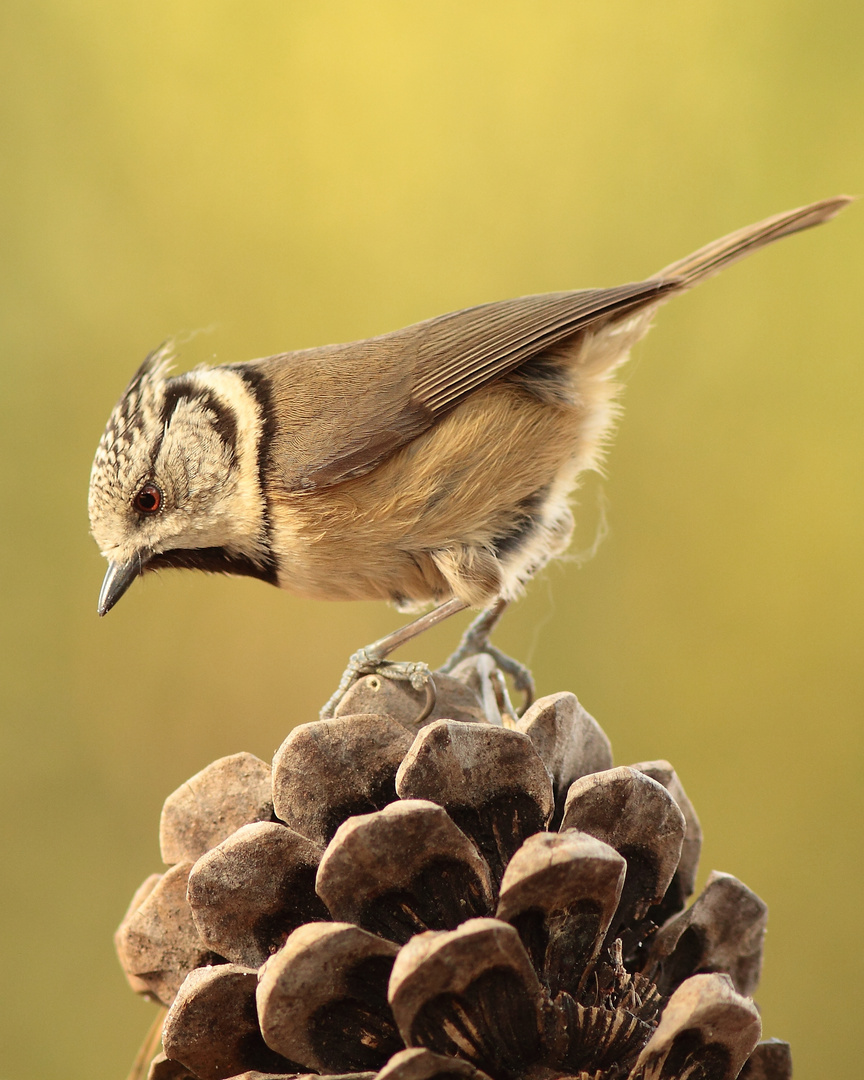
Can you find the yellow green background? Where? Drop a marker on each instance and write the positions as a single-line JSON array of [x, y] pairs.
[[257, 176]]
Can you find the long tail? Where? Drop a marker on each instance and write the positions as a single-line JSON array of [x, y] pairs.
[[714, 257]]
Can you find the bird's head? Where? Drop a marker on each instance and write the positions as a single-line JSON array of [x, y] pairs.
[[175, 479]]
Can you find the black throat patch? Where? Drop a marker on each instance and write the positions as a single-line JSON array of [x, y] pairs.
[[214, 560]]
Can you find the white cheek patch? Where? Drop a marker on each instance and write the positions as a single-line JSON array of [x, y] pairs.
[[218, 501]]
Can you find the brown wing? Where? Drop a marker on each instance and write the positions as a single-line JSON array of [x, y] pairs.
[[341, 409], [464, 351]]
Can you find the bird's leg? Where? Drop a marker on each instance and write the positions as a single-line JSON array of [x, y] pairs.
[[475, 640], [371, 660]]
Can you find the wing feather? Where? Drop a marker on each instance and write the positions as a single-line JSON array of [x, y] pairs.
[[467, 349], [337, 412], [342, 409]]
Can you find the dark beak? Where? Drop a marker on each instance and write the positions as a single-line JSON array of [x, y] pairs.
[[117, 580]]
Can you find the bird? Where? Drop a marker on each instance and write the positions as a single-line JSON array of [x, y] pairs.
[[431, 465]]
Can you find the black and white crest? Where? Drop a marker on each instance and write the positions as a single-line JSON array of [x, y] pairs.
[[134, 424]]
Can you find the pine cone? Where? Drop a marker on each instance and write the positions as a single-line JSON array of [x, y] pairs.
[[478, 898]]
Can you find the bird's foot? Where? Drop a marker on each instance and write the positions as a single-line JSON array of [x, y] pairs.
[[475, 642], [522, 678], [369, 661], [486, 680]]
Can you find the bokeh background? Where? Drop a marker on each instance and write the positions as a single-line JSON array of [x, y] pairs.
[[259, 176]]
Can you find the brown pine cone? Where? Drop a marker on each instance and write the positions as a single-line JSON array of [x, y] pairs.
[[479, 898]]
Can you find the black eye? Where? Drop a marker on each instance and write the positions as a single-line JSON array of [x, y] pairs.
[[148, 500]]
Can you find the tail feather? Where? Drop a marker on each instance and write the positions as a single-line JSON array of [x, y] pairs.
[[716, 256]]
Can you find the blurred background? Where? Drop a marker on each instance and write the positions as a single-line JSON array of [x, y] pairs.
[[260, 176]]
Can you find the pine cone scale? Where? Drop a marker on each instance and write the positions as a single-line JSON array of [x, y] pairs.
[[413, 913]]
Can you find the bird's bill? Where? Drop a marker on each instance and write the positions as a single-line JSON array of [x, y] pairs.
[[117, 580]]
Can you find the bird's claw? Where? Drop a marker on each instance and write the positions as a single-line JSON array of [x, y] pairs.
[[522, 678], [415, 672], [368, 662], [476, 642]]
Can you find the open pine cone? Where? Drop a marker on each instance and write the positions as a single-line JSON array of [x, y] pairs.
[[470, 897]]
